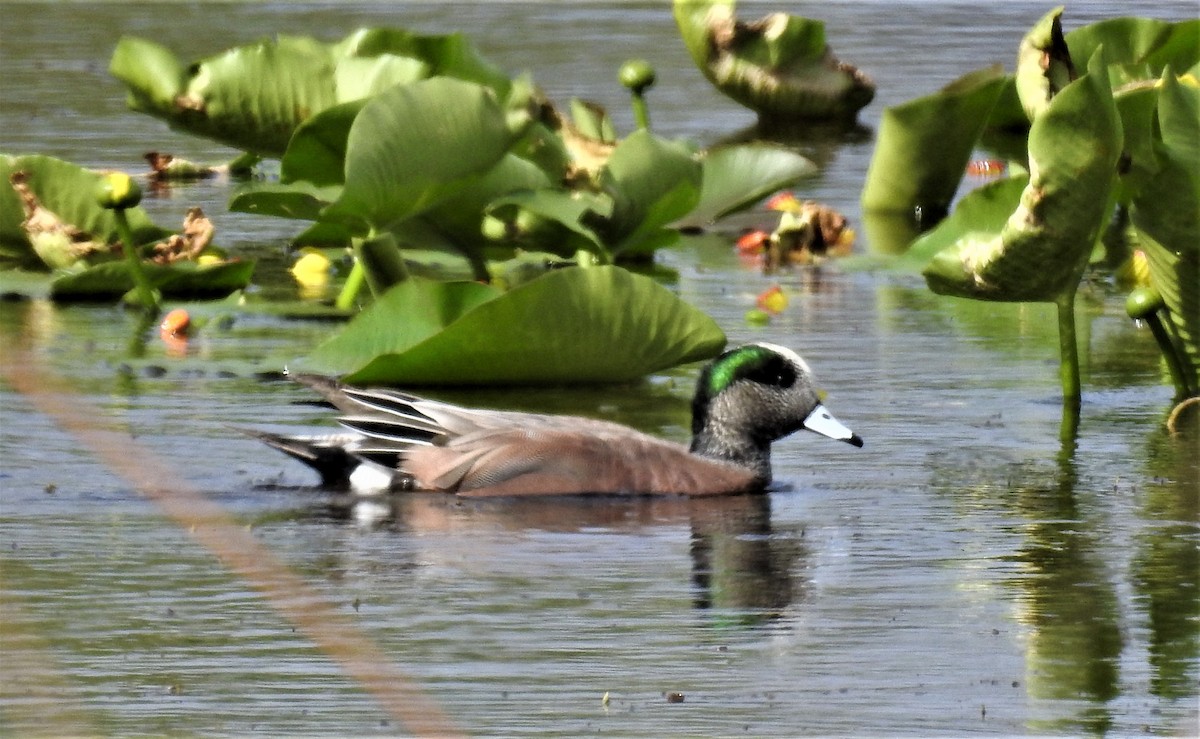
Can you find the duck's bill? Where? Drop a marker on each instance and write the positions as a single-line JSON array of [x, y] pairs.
[[823, 422]]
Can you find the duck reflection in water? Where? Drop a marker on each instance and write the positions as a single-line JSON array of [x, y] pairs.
[[742, 568]]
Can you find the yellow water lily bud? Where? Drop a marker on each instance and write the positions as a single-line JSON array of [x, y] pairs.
[[118, 191], [312, 270]]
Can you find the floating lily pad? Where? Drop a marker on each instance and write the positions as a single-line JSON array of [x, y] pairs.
[[182, 280]]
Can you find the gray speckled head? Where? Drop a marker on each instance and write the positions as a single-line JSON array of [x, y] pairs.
[[752, 395]]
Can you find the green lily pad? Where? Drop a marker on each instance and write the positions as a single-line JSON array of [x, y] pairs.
[[251, 97], [779, 66], [254, 97], [653, 182], [977, 218], [736, 177], [923, 145], [1040, 252], [183, 280], [415, 145], [317, 150], [572, 325], [1137, 48]]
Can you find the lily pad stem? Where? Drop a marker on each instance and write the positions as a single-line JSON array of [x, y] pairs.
[[1146, 304], [1068, 370], [641, 114], [354, 282], [1179, 377], [145, 291]]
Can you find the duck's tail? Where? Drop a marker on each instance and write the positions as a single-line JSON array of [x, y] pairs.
[[326, 454]]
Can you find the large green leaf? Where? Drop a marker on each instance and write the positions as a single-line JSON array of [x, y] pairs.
[[355, 78], [415, 145], [451, 55], [779, 66], [654, 182], [406, 315], [1074, 146], [68, 191], [736, 177], [152, 73], [253, 97], [317, 151], [977, 218], [572, 325], [923, 146], [1044, 65], [1137, 105], [1139, 48]]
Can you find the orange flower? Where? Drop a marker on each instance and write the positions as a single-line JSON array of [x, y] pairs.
[[752, 243], [785, 201]]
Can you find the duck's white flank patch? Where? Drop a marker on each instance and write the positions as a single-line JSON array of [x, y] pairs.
[[370, 478]]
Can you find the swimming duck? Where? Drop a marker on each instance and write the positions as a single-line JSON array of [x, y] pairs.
[[745, 399]]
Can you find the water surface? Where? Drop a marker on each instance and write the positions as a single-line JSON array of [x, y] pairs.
[[962, 573]]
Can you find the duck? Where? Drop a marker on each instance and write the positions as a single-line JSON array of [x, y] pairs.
[[745, 399]]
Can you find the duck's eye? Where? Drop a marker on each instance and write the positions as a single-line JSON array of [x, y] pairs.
[[774, 373], [787, 377]]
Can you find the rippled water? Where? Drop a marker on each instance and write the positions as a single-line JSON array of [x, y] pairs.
[[960, 574]]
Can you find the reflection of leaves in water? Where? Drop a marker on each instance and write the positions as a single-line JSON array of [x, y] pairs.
[[1066, 600], [1166, 569]]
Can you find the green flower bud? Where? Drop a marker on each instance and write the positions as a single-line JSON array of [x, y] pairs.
[[637, 75], [1143, 302]]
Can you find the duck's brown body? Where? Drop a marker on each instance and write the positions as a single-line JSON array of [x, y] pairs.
[[746, 399], [578, 455]]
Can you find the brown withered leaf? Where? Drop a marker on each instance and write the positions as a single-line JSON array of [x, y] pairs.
[[195, 237]]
